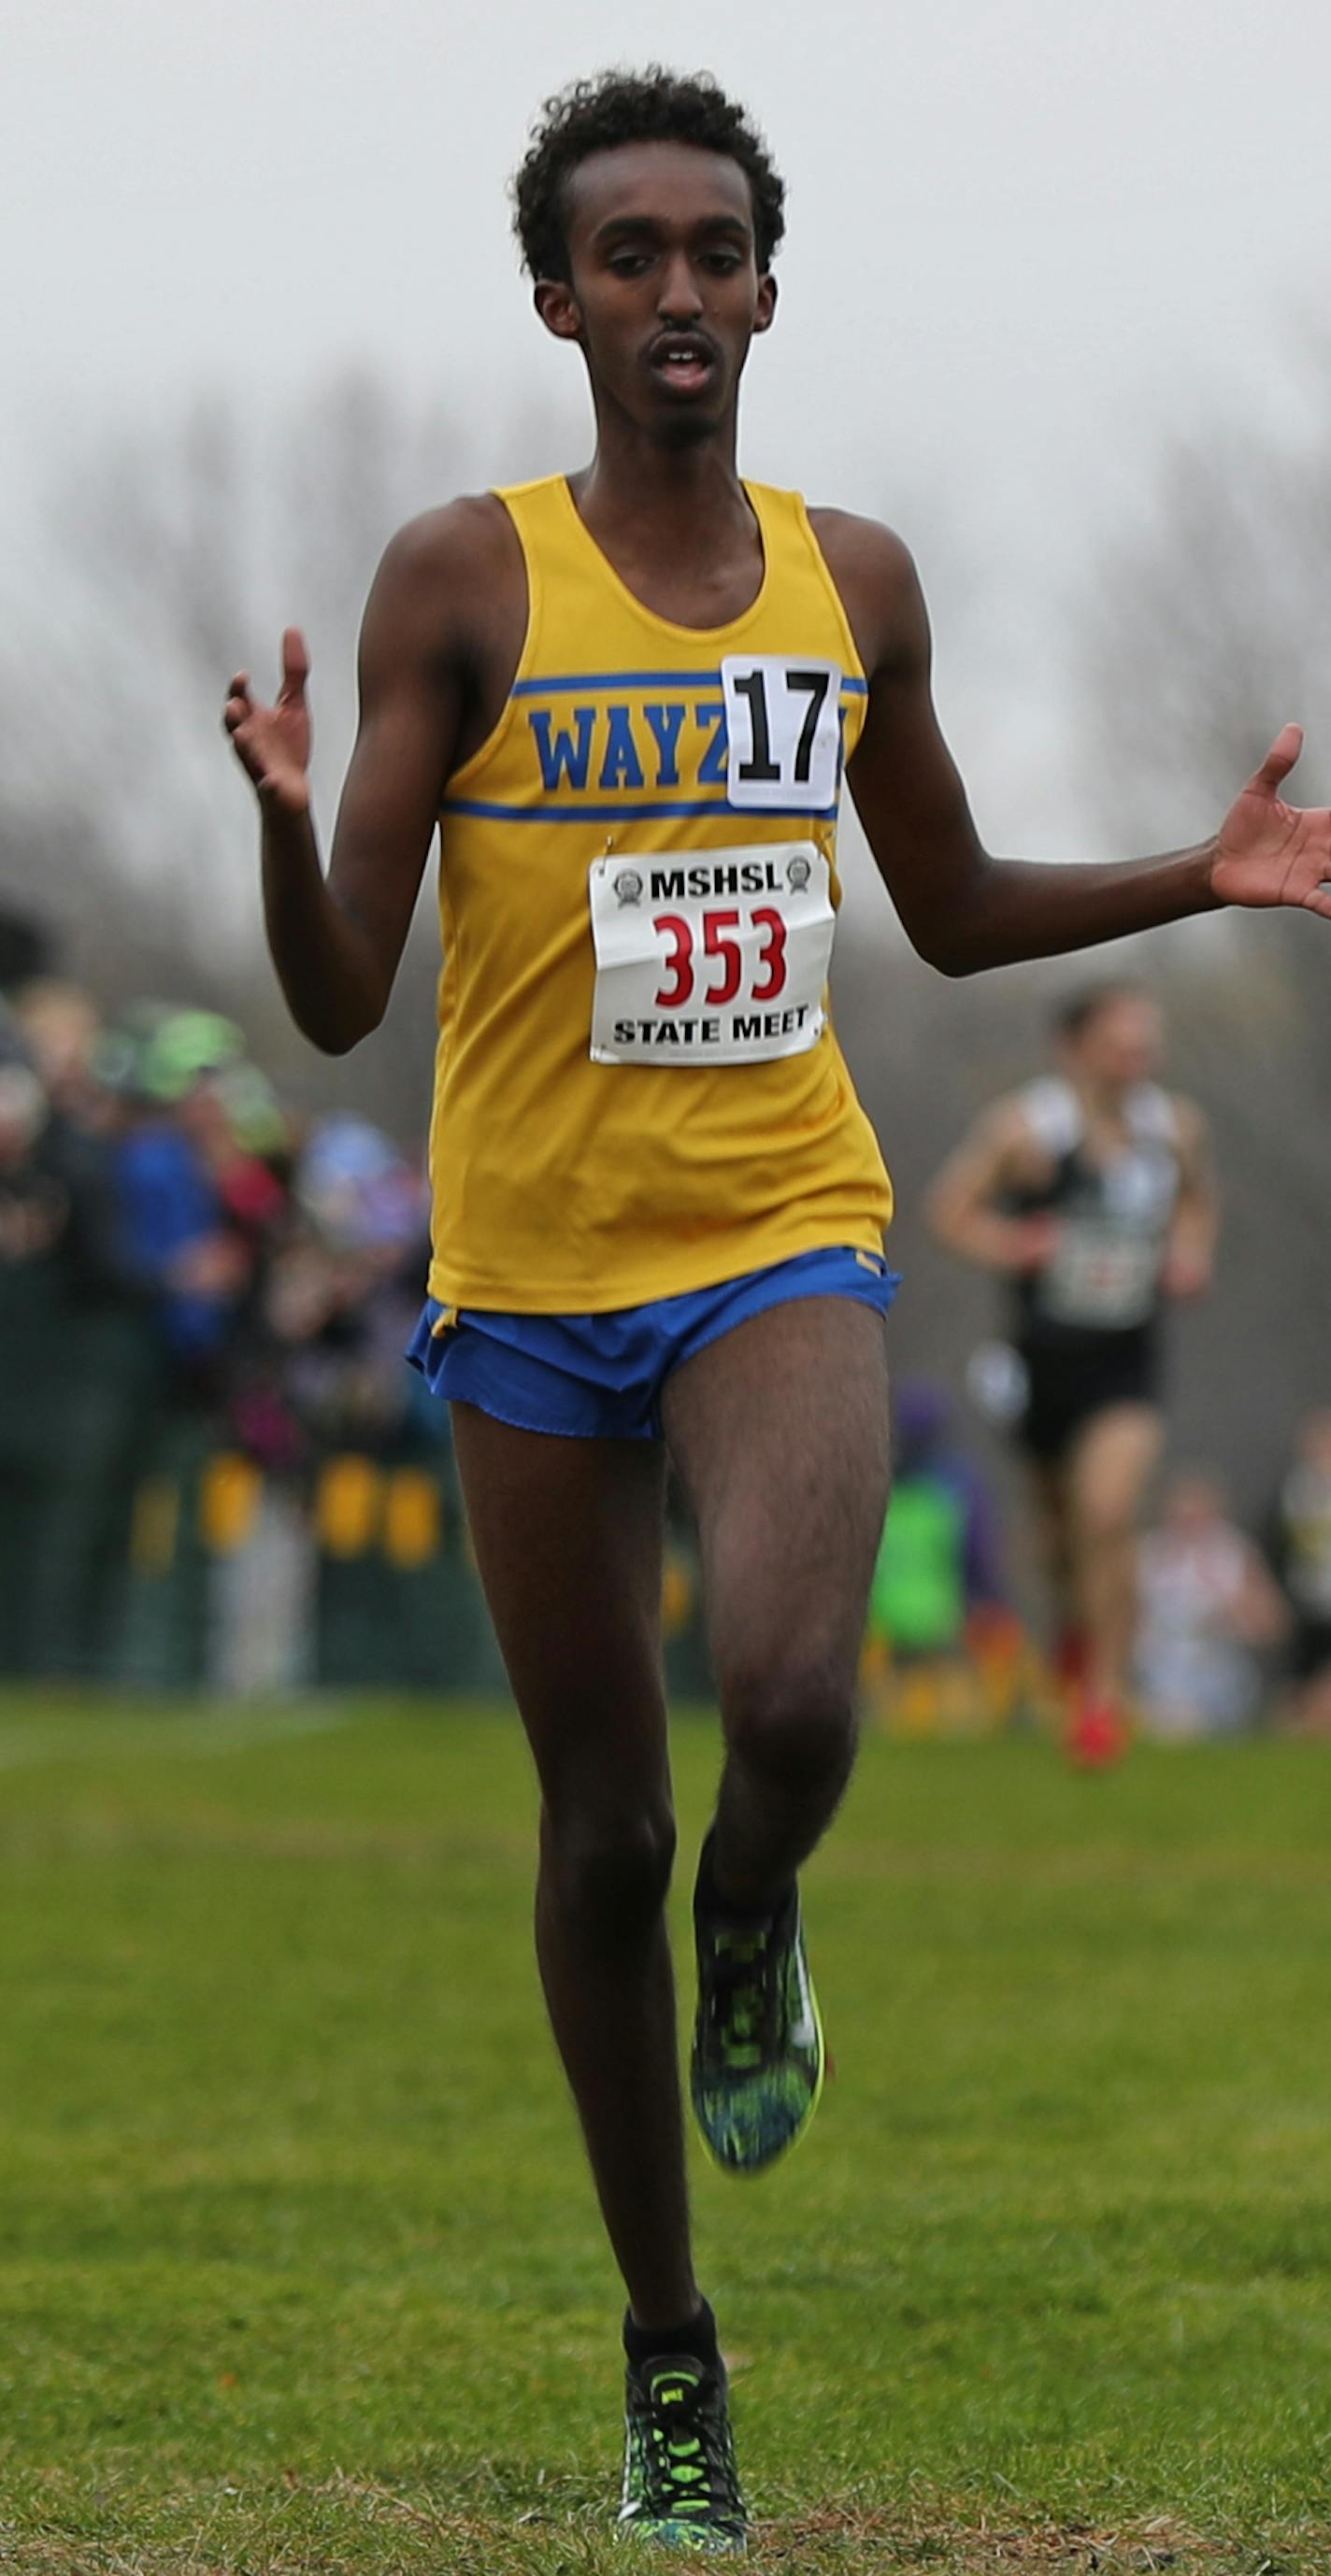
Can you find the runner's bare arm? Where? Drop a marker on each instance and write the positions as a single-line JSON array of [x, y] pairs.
[[1190, 1253], [963, 1208], [962, 908], [336, 940]]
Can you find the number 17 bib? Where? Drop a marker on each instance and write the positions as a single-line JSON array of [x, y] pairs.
[[717, 959]]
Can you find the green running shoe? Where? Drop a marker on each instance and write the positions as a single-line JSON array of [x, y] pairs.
[[757, 2066], [681, 2487]]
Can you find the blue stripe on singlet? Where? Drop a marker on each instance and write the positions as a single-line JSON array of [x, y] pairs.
[[544, 813], [642, 680]]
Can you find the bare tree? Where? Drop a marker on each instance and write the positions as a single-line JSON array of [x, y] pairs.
[[1208, 627]]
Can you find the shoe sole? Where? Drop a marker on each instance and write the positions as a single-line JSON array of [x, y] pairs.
[[742, 2173]]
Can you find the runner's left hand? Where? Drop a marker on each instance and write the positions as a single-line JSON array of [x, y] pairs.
[[1268, 852], [1186, 1272]]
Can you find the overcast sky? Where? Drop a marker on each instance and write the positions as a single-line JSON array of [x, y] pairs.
[[1028, 239]]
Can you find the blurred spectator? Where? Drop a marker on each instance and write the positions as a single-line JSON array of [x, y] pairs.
[[344, 1292], [1207, 1605], [203, 1205], [943, 1652], [939, 1551], [77, 1361], [363, 1438], [196, 1203], [215, 1465], [61, 1027], [1299, 1540]]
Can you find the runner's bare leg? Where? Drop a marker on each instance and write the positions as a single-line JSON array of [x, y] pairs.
[[1050, 1517], [568, 1538], [780, 1432], [1109, 1468]]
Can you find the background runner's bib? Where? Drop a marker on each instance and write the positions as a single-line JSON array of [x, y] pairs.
[[638, 1090], [1100, 1277]]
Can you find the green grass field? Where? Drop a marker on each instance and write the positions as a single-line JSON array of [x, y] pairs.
[[298, 2264]]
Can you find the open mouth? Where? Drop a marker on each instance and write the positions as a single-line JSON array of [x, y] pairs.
[[684, 361]]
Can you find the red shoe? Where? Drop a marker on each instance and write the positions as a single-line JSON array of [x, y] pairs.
[[1097, 1736]]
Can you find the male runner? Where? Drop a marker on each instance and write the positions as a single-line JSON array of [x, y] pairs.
[[1090, 1190], [625, 698]]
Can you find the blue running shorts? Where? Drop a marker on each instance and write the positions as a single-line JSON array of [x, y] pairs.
[[599, 1377]]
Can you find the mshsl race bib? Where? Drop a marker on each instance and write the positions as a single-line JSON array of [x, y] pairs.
[[718, 959]]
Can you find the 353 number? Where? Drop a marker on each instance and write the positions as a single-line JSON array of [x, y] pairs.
[[723, 952]]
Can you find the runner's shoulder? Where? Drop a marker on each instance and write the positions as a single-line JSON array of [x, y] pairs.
[[874, 571], [848, 536], [469, 539], [449, 586], [1014, 1136]]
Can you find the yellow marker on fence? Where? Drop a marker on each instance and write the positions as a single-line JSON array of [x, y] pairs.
[[349, 1505], [230, 1493], [413, 1519]]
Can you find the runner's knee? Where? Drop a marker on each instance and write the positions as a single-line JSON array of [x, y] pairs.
[[793, 1725], [609, 1868]]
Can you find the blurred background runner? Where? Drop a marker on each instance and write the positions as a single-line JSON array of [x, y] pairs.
[[1089, 1192]]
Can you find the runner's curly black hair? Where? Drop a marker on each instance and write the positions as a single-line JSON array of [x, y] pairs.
[[653, 106]]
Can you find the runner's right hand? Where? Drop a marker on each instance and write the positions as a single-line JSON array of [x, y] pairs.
[[272, 744]]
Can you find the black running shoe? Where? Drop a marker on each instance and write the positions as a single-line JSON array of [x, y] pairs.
[[681, 2488], [758, 2060]]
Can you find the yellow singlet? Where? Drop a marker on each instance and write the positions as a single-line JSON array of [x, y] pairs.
[[637, 1089]]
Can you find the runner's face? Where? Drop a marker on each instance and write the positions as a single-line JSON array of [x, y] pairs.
[[665, 294], [1123, 1044]]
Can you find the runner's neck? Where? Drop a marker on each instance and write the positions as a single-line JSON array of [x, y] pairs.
[[674, 521], [1104, 1106]]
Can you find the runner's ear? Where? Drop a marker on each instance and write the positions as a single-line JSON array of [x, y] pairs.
[[558, 307]]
